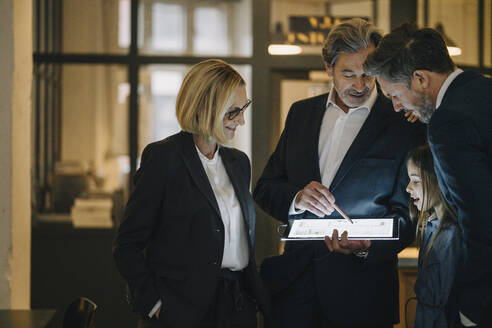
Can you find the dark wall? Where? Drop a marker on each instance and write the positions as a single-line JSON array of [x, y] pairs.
[[68, 263], [403, 11]]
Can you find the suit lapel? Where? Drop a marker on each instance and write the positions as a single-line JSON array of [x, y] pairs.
[[197, 172], [233, 170], [371, 129]]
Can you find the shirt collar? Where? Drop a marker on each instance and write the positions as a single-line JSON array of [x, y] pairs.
[[433, 220], [446, 85], [367, 104], [432, 217]]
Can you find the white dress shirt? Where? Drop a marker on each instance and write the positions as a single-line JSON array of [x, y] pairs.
[[236, 252], [338, 131]]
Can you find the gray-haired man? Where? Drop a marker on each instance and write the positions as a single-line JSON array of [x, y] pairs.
[[349, 146]]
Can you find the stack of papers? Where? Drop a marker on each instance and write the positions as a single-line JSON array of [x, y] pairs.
[[92, 213]]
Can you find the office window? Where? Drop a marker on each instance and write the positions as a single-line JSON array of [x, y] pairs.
[[94, 112], [81, 134], [159, 89], [459, 21], [196, 27], [89, 26]]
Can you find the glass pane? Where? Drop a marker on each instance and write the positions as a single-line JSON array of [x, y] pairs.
[[306, 24], [168, 27], [210, 37], [157, 113], [292, 90], [90, 26], [459, 20], [46, 131], [94, 134], [196, 27], [124, 25]]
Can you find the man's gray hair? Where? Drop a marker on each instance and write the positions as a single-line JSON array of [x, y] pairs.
[[407, 49], [350, 36]]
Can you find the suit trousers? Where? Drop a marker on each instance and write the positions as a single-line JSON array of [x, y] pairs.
[[233, 306]]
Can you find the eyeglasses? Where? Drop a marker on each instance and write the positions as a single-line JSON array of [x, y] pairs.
[[232, 114]]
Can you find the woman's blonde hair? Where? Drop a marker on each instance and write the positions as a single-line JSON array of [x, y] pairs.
[[422, 158], [205, 95]]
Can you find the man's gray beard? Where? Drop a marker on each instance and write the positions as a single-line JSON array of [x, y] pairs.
[[426, 110]]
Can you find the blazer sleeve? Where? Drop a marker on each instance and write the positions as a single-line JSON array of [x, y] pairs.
[[273, 192], [463, 170], [140, 219], [398, 203], [384, 250]]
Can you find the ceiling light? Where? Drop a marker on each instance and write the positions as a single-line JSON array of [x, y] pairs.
[[284, 49], [453, 48], [454, 51]]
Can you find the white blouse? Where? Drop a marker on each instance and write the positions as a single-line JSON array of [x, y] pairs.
[[236, 254]]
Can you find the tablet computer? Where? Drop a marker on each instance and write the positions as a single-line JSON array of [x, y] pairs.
[[361, 229]]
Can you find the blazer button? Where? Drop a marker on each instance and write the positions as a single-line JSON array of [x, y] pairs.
[[217, 230]]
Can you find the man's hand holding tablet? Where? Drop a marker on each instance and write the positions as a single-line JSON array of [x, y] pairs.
[[345, 246]]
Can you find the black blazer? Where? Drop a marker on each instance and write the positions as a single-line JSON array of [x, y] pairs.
[[371, 181], [170, 243], [460, 136]]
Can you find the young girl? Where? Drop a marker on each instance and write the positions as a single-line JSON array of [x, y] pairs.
[[439, 239]]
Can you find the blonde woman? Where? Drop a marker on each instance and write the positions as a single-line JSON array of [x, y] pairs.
[[185, 246]]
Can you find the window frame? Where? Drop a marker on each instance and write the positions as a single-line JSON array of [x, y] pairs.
[[48, 59]]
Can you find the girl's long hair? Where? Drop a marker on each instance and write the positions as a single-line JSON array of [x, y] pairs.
[[432, 196]]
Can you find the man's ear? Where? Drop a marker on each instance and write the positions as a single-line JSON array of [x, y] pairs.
[[420, 80], [329, 70]]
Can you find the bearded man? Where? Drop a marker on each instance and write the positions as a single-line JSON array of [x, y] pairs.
[[415, 70]]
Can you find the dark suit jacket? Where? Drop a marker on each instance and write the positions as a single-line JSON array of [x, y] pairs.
[[370, 182], [171, 242], [460, 136]]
